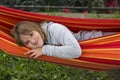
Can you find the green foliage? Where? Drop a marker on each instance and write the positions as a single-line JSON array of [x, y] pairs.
[[45, 3], [98, 3], [94, 14], [14, 68]]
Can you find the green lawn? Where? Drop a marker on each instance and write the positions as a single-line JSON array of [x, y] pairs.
[[14, 68]]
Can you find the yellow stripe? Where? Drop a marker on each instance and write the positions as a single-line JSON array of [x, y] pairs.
[[98, 65], [95, 40], [2, 27], [7, 22], [23, 16], [92, 62], [11, 43], [92, 27], [100, 52], [108, 41]]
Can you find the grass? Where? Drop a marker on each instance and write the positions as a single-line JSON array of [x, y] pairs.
[[116, 15], [15, 68]]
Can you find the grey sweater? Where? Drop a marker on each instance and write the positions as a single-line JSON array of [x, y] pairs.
[[62, 43]]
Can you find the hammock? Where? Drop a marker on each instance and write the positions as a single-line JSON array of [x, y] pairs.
[[101, 53]]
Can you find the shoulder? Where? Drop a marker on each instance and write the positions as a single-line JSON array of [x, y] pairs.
[[56, 27]]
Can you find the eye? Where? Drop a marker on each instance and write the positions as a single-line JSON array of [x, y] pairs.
[[31, 34], [26, 43]]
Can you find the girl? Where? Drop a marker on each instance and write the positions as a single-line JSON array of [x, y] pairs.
[[51, 39]]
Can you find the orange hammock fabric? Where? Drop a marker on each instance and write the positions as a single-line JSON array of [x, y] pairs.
[[101, 53]]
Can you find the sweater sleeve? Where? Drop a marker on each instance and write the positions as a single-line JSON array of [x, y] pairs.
[[70, 47]]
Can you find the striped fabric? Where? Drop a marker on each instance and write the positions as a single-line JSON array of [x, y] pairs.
[[101, 53]]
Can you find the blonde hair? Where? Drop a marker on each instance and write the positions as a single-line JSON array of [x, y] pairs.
[[24, 28]]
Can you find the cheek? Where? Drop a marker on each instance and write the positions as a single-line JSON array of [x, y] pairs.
[[35, 36], [30, 46], [40, 38], [40, 43]]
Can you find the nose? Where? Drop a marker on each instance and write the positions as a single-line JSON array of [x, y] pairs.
[[32, 41]]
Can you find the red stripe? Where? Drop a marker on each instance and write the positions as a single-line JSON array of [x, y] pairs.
[[6, 37], [63, 19], [76, 19], [103, 61], [99, 46]]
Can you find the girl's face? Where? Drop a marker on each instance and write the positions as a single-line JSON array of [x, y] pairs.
[[32, 40]]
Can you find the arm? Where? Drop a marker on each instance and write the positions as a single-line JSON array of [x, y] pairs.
[[70, 47]]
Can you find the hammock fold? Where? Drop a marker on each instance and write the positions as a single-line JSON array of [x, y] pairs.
[[101, 53]]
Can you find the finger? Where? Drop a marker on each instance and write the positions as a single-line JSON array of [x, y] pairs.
[[36, 56], [28, 52], [32, 55]]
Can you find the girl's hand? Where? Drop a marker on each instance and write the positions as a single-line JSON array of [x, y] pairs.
[[34, 53]]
